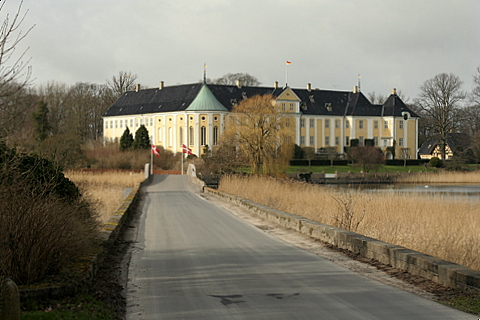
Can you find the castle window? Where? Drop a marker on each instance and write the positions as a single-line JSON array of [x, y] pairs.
[[400, 124], [180, 135], [375, 124], [312, 123], [360, 124], [215, 135], [203, 135], [191, 136], [327, 123], [302, 123]]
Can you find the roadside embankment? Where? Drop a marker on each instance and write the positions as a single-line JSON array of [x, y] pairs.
[[440, 271], [87, 268]]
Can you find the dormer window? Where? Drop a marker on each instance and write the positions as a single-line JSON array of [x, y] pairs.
[[312, 100], [244, 95], [328, 106]]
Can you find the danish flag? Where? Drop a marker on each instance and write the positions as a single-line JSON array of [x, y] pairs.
[[155, 151], [187, 150]]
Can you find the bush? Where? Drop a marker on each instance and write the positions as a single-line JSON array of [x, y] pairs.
[[436, 162], [44, 223]]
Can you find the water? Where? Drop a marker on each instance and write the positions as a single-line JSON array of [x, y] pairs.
[[471, 191]]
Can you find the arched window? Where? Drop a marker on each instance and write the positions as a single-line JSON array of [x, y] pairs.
[[191, 136], [180, 135], [215, 135], [203, 135]]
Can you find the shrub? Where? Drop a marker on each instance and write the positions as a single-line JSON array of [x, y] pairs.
[[44, 223], [436, 162]]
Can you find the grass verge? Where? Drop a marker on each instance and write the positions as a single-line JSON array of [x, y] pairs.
[[80, 307], [469, 304]]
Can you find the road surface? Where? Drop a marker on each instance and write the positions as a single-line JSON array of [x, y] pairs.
[[195, 260]]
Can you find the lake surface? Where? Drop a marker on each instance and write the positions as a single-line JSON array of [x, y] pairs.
[[467, 190]]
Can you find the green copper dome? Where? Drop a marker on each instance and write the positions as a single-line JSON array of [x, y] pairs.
[[206, 101]]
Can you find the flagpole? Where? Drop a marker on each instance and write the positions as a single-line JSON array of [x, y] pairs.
[[286, 75], [181, 155], [151, 161]]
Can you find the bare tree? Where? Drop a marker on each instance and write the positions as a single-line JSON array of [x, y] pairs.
[[231, 79], [475, 97], [125, 81], [258, 131], [15, 72], [439, 100]]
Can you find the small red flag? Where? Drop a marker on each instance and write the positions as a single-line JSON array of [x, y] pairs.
[[289, 62], [155, 151]]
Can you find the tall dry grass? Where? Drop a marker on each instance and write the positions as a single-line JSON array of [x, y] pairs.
[[443, 227], [105, 189], [441, 177]]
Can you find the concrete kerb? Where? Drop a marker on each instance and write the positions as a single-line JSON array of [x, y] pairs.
[[108, 235], [443, 272]]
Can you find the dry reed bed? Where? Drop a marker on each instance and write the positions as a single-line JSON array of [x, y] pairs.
[[441, 227], [105, 189], [472, 177]]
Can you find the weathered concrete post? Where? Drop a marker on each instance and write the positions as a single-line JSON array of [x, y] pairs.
[[9, 300]]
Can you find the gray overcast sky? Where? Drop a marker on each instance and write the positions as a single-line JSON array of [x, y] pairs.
[[390, 43]]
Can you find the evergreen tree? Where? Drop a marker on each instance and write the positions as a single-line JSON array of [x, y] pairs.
[[126, 140], [42, 126], [142, 139]]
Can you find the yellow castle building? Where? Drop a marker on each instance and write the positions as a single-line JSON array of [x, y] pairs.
[[195, 115]]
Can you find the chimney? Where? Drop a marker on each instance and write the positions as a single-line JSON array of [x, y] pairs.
[[275, 85], [394, 91], [137, 87], [309, 87], [160, 85], [355, 89], [239, 84]]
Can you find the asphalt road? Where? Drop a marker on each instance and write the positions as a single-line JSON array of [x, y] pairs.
[[195, 260]]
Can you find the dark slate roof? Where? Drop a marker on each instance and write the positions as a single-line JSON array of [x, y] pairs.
[[314, 102], [168, 99], [394, 106], [454, 140]]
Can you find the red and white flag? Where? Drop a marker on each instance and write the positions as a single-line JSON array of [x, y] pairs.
[[187, 150], [288, 62], [155, 151]]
